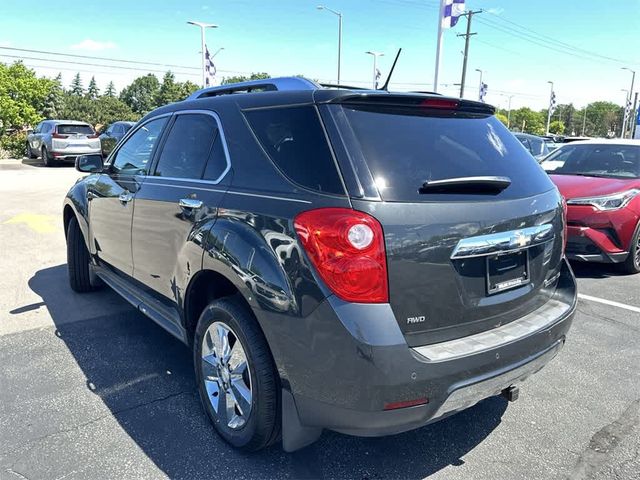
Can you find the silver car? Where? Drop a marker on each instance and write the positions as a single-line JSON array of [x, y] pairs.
[[59, 140]]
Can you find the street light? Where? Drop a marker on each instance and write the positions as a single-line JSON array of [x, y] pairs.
[[480, 87], [627, 101], [375, 56], [202, 27], [549, 111], [627, 94], [509, 112], [339, 15]]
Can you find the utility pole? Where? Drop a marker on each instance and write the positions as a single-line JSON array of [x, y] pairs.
[[466, 36]]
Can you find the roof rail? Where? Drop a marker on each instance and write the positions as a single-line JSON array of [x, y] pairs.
[[264, 85]]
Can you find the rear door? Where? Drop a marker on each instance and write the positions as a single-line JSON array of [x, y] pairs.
[[463, 257], [177, 200], [111, 197]]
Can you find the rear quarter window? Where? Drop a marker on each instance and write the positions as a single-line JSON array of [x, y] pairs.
[[295, 141]]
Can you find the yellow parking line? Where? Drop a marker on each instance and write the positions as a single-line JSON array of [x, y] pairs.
[[37, 223]]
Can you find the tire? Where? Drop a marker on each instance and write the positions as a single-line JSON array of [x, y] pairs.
[[260, 427], [29, 153], [77, 259], [46, 159], [632, 264]]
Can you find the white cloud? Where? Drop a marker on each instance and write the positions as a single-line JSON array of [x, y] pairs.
[[93, 45]]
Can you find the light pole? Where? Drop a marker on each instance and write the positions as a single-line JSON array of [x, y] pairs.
[[584, 120], [627, 94], [627, 102], [339, 15], [549, 111], [202, 35], [375, 56], [480, 87], [509, 112]]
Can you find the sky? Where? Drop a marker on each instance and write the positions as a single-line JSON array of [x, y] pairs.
[[519, 44]]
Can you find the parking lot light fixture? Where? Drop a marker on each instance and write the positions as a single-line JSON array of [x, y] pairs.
[[375, 56], [202, 27]]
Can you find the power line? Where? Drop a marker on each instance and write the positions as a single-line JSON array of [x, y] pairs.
[[89, 57]]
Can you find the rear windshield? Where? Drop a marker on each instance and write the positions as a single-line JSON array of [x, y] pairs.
[[595, 160], [404, 148], [71, 129]]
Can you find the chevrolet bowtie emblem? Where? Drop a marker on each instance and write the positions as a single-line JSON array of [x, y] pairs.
[[519, 239]]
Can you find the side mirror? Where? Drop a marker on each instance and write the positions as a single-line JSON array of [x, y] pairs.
[[89, 163]]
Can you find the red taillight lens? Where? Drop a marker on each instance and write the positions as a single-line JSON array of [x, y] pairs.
[[59, 135], [347, 249]]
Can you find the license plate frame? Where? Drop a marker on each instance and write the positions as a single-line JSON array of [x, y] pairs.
[[501, 277]]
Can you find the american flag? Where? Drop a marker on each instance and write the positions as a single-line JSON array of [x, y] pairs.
[[483, 91], [452, 11], [209, 68]]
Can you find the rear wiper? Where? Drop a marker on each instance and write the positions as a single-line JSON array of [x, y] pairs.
[[479, 185]]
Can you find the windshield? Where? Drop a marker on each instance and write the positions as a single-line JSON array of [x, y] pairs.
[[404, 148], [597, 160]]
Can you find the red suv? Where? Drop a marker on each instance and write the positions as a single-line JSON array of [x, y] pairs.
[[600, 180]]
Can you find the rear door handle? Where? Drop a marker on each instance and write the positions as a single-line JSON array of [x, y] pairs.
[[125, 197], [190, 203]]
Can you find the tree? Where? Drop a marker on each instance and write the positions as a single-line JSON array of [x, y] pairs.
[[169, 91], [557, 127], [141, 95], [526, 120], [54, 102], [110, 91], [242, 78], [76, 86], [101, 111], [603, 119], [502, 117], [187, 88], [92, 90], [22, 96]]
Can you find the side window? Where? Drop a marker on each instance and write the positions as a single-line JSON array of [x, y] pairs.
[[134, 156], [294, 139], [188, 146]]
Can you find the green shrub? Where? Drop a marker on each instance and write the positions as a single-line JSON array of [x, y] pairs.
[[12, 145]]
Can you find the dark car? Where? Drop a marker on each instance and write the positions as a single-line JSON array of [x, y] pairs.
[[600, 180], [537, 146], [113, 134], [327, 276]]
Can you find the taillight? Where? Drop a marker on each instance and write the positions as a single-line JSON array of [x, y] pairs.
[[347, 249], [564, 225], [443, 103], [59, 135]]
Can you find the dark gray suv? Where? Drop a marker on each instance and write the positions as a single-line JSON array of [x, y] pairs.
[[360, 261]]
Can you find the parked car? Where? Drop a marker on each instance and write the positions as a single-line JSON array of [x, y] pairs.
[[327, 276], [600, 180], [59, 140], [112, 135], [537, 146]]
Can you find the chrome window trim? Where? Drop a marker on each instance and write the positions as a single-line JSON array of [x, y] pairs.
[[503, 242]]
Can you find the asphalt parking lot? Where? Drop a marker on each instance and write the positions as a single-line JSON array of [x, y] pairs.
[[90, 388]]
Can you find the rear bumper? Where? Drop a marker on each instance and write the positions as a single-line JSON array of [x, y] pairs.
[[345, 376], [586, 244], [72, 155]]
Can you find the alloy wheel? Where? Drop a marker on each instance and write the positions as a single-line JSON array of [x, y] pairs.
[[227, 375]]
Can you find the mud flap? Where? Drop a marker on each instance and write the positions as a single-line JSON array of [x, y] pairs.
[[295, 435]]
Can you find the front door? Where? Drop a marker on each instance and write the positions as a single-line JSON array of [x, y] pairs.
[[178, 202], [111, 197]]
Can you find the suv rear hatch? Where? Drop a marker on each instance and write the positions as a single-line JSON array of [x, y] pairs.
[[75, 138], [473, 226]]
